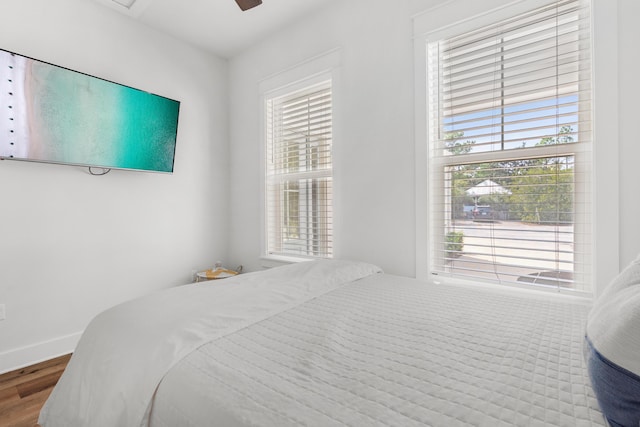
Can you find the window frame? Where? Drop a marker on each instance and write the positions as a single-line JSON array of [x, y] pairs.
[[466, 16], [308, 73]]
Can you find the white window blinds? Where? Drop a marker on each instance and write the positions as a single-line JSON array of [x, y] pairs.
[[299, 213], [510, 143]]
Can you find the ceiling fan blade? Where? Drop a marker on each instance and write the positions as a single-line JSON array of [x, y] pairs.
[[248, 4]]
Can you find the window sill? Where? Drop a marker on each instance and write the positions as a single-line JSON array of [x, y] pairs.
[[270, 261], [537, 291]]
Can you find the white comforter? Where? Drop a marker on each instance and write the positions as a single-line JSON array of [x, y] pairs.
[[127, 350], [392, 351]]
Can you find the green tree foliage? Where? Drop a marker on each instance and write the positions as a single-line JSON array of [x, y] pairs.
[[461, 172], [544, 194], [454, 243], [454, 146], [541, 189]]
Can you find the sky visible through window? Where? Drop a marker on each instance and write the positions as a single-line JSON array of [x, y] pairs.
[[519, 126]]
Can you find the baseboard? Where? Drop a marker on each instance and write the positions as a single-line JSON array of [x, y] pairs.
[[30, 355]]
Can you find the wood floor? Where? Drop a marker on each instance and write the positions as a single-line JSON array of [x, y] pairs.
[[24, 391]]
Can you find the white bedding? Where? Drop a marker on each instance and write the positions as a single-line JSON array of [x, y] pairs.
[[330, 343], [125, 352], [391, 351]]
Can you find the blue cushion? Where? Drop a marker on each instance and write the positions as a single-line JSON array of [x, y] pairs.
[[617, 390], [612, 348]]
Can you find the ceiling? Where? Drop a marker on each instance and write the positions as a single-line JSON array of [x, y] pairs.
[[218, 26]]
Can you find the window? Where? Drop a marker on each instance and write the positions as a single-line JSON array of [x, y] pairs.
[[299, 172], [510, 149]]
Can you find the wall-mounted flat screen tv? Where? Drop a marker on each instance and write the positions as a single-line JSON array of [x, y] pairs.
[[53, 114]]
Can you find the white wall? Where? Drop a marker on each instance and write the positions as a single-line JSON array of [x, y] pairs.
[[73, 244], [374, 145], [373, 138], [628, 85]]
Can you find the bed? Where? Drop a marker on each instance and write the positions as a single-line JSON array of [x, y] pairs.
[[328, 343]]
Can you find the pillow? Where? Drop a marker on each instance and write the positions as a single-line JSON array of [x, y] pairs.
[[613, 348]]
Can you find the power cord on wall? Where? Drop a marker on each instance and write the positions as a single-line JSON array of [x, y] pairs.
[[104, 171]]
